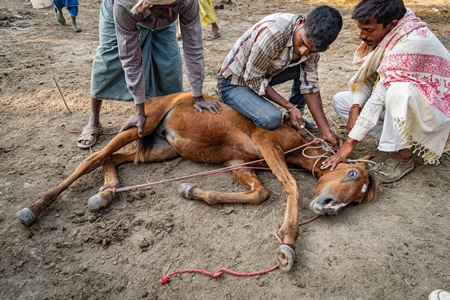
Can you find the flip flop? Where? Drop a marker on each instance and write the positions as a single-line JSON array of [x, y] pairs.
[[76, 29], [89, 134], [211, 37], [60, 18], [310, 125]]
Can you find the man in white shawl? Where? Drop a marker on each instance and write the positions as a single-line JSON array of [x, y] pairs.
[[401, 92]]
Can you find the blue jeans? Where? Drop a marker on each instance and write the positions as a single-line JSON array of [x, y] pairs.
[[258, 109]]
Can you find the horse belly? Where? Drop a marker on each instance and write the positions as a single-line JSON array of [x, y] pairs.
[[208, 138], [199, 151]]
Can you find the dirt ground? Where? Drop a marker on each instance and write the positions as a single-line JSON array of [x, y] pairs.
[[396, 247]]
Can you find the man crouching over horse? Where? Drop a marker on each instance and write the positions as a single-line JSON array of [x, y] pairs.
[[279, 48]]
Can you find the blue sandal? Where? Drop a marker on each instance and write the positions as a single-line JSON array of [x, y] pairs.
[[76, 28], [311, 126], [60, 18]]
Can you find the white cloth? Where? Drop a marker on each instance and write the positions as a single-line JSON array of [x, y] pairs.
[[390, 138], [414, 69]]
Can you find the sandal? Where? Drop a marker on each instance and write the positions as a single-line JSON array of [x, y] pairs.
[[212, 37], [311, 126], [89, 134], [76, 29], [60, 18], [392, 170]]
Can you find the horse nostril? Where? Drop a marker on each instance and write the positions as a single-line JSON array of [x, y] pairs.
[[328, 201]]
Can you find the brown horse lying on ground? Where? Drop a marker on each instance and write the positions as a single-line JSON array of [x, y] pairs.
[[174, 128]]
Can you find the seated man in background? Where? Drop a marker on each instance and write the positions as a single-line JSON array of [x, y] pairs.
[[402, 84]]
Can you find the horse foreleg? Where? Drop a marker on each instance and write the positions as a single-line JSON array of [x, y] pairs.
[[256, 193], [268, 144]]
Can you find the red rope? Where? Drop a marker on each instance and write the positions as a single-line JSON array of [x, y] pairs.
[[225, 169], [166, 279], [217, 274]]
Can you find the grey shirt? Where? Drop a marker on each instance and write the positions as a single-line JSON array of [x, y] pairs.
[[127, 32]]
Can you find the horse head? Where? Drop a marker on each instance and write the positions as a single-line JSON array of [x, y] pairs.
[[347, 183]]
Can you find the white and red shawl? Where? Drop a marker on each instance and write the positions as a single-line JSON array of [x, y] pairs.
[[415, 68]]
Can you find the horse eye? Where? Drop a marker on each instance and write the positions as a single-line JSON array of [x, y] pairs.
[[352, 174]]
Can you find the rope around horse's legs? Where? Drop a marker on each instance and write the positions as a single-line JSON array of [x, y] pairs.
[[165, 279], [225, 169]]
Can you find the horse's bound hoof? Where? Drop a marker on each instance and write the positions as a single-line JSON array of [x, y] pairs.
[[184, 190], [26, 216], [285, 257], [95, 203]]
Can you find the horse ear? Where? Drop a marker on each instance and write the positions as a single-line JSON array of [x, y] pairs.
[[365, 161], [375, 188]]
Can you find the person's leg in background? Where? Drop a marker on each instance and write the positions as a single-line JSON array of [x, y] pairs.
[[72, 8]]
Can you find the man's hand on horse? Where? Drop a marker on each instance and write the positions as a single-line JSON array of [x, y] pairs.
[[341, 155], [334, 139], [212, 106], [138, 120], [295, 116]]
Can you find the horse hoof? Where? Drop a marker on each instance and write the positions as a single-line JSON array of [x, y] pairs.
[[95, 203], [185, 189], [285, 258], [26, 216]]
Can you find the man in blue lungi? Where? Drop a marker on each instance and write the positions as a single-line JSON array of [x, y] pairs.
[[139, 57]]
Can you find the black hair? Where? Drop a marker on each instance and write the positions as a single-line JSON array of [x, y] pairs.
[[383, 11], [323, 25]]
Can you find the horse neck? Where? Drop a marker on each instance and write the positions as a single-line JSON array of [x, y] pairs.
[[309, 158]]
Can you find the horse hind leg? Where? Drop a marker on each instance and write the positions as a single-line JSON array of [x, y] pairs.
[[29, 214], [159, 152], [256, 194], [106, 195]]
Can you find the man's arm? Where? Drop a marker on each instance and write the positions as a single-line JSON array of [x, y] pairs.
[[193, 55], [191, 31], [365, 121], [314, 102], [370, 113], [130, 54], [361, 94]]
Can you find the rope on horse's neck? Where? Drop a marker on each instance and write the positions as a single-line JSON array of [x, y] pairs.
[[318, 157], [373, 164]]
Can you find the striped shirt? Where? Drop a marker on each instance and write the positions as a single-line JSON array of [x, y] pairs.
[[127, 32], [265, 50]]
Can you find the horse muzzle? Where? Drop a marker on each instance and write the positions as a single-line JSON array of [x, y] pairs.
[[326, 206]]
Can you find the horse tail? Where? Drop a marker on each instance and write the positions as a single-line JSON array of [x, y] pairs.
[[142, 146], [156, 109]]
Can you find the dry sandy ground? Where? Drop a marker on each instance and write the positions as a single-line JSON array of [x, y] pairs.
[[396, 247]]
